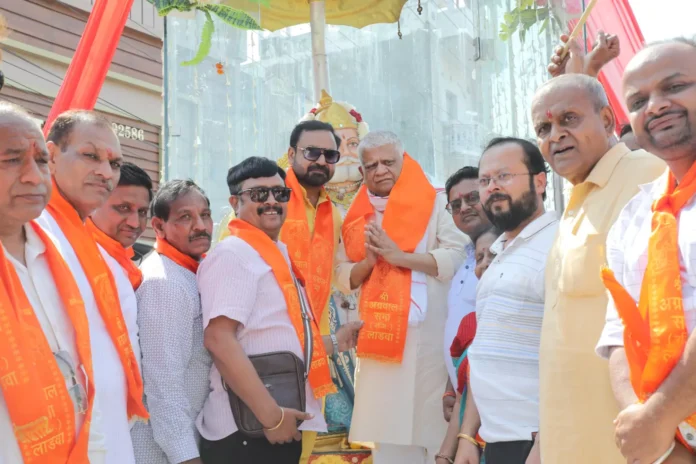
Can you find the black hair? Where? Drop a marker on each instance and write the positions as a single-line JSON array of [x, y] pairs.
[[532, 156], [493, 230], [625, 129], [65, 123], [132, 174], [312, 126], [254, 167], [168, 194], [467, 172]]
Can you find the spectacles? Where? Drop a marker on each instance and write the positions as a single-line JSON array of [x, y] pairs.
[[502, 179], [314, 153], [260, 194], [471, 199], [76, 390]]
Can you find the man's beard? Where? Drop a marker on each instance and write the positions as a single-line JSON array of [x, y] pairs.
[[315, 176], [684, 137], [518, 211]]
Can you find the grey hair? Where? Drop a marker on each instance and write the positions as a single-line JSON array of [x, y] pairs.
[[8, 109], [377, 139], [589, 84]]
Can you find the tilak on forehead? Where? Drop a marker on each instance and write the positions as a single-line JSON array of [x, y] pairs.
[[549, 114]]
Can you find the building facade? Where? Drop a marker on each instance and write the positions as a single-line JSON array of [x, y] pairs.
[[43, 36]]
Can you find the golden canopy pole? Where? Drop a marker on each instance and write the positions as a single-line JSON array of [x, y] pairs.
[[317, 23]]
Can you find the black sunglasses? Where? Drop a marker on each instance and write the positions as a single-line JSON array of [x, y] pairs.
[[471, 199], [313, 154], [260, 194]]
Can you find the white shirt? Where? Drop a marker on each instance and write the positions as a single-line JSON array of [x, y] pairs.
[[627, 256], [504, 356], [40, 288], [461, 301], [236, 283], [109, 378]]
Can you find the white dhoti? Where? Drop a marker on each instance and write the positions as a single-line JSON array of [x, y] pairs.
[[398, 407]]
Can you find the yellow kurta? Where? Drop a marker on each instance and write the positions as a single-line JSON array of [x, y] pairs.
[[577, 405], [309, 438]]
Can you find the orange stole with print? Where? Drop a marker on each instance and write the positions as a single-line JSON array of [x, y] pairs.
[[385, 297], [165, 248], [37, 398], [117, 251], [105, 293], [311, 253], [319, 374], [655, 330]]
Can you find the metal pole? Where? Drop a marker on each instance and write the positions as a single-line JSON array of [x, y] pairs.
[[584, 30], [164, 137], [317, 22]]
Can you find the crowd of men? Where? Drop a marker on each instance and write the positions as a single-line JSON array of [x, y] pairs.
[[566, 335]]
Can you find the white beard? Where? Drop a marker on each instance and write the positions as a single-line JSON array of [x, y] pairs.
[[346, 173]]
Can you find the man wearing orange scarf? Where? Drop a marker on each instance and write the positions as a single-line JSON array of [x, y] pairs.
[[118, 224], [251, 301], [400, 248], [47, 405], [651, 273], [85, 160], [176, 365]]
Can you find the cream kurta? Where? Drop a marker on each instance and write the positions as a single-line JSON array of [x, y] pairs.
[[412, 415], [577, 405]]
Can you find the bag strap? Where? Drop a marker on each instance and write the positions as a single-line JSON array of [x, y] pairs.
[[307, 318]]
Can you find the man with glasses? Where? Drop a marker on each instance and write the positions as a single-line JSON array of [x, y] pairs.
[[575, 128], [251, 305], [466, 210], [176, 364], [401, 249], [120, 222], [47, 408], [502, 402]]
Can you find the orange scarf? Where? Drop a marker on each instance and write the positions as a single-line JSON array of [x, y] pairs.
[[117, 251], [105, 293], [40, 407], [385, 297], [655, 332], [311, 253], [319, 374], [165, 248]]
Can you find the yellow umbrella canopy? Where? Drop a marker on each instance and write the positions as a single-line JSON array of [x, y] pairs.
[[279, 14]]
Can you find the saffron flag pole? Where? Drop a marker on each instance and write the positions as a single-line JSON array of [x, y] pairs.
[[90, 64]]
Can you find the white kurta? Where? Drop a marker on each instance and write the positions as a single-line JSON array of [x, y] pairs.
[[40, 289], [109, 378], [402, 404]]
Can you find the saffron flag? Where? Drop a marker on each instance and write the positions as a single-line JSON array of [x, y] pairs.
[[89, 65]]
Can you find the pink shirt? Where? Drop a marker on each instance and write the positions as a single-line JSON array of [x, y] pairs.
[[235, 282]]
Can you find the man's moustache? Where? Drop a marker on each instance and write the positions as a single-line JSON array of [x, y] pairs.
[[322, 169], [269, 209], [200, 235], [649, 120], [495, 197]]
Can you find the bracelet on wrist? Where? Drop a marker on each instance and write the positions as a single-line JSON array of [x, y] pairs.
[[464, 436], [282, 417], [450, 394], [445, 457]]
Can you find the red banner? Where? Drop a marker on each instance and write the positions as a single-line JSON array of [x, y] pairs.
[[89, 65], [615, 17]]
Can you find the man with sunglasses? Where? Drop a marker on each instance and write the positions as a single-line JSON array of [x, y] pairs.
[[465, 207], [313, 223], [400, 249], [47, 408], [575, 128], [252, 304]]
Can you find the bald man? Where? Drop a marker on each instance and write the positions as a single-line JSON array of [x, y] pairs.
[[574, 126], [660, 92]]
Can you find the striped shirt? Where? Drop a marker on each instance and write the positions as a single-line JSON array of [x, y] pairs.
[[236, 283], [504, 356]]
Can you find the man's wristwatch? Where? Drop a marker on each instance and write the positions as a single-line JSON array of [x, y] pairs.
[[334, 340]]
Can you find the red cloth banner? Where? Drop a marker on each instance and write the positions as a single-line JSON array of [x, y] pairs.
[[615, 17], [92, 59]]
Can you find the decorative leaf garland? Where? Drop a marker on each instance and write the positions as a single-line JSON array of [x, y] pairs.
[[235, 18], [527, 14]]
